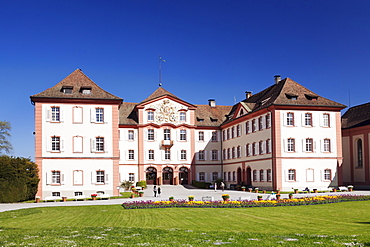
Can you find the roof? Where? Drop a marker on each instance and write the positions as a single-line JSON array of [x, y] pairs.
[[211, 116], [356, 116], [75, 82], [287, 93], [159, 93]]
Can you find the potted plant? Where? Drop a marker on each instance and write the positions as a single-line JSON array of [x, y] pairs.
[[334, 190], [264, 191], [259, 198], [225, 197], [64, 198], [132, 195], [350, 187], [171, 198], [141, 193], [290, 195], [277, 192], [191, 198], [93, 196], [243, 188], [278, 196], [295, 191], [256, 190], [250, 190], [37, 199], [314, 190]]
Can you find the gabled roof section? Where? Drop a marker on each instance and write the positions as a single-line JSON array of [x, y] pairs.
[[206, 115], [128, 114], [160, 92], [76, 86], [356, 116]]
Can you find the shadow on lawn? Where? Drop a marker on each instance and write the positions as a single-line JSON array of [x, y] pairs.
[[363, 222]]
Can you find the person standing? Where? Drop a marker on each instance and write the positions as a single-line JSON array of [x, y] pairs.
[[155, 190], [159, 191], [215, 186], [222, 186]]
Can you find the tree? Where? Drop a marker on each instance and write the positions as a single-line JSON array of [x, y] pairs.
[[5, 144], [18, 179]]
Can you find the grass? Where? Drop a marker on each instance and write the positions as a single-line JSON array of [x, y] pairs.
[[323, 225]]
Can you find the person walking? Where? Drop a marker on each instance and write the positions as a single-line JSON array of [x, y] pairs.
[[155, 190], [222, 186], [215, 186], [159, 191]]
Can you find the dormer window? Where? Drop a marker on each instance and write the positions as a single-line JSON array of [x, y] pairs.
[[311, 97], [200, 119], [292, 96], [213, 119], [85, 90], [67, 89]]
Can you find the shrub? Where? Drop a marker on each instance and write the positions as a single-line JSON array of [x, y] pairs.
[[141, 183], [201, 185]]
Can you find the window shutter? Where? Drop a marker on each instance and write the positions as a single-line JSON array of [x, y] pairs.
[[263, 122], [303, 145], [197, 176], [303, 119], [285, 144], [47, 114], [146, 155], [106, 145], [146, 135], [62, 178], [48, 144], [93, 177], [61, 115], [285, 119], [163, 155], [285, 176], [205, 176], [93, 145], [155, 134], [218, 155], [135, 135], [321, 145], [314, 146], [48, 177], [178, 135], [92, 115], [61, 145], [106, 178], [197, 155]]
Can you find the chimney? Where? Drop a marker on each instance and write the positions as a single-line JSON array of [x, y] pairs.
[[248, 94], [277, 78], [212, 102]]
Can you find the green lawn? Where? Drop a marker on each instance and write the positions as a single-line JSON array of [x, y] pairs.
[[322, 225]]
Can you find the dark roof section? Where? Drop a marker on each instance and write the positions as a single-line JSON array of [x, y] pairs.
[[71, 88], [356, 116], [286, 92], [127, 114], [159, 93], [206, 115]]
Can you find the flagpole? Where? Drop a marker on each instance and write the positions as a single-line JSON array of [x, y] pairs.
[[160, 69]]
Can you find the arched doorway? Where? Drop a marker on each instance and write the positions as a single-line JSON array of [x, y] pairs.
[[239, 176], [183, 175], [151, 175], [248, 176], [167, 175]]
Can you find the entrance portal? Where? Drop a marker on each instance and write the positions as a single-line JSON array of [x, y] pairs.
[[151, 175], [184, 175], [167, 175], [248, 176]]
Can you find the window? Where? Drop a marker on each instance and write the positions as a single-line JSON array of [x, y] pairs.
[[182, 135], [183, 155], [225, 176], [238, 130], [228, 134], [327, 147], [85, 90], [182, 116], [55, 194], [326, 120], [214, 136], [131, 154], [233, 152], [201, 176], [254, 176], [309, 145], [247, 150], [269, 175], [308, 119], [291, 145], [262, 176], [290, 119], [327, 174], [234, 176], [214, 176], [229, 176], [100, 177], [167, 154], [201, 155], [55, 177], [99, 115], [228, 153], [291, 175], [67, 89], [150, 116], [201, 136], [239, 151], [260, 147], [268, 121], [224, 154], [150, 134], [254, 149], [167, 134], [130, 135], [77, 177], [232, 132], [268, 146], [55, 144], [78, 193], [131, 177], [55, 114], [99, 144], [359, 153], [254, 125], [77, 114], [151, 155], [260, 123], [223, 135], [247, 129], [214, 155]]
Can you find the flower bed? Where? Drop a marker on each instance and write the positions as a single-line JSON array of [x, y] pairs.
[[244, 203]]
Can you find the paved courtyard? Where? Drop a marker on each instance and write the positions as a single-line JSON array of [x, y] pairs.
[[177, 191]]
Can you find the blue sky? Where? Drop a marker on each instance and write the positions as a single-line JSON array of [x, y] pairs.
[[214, 49]]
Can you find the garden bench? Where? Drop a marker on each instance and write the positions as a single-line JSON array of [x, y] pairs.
[[207, 198], [343, 188], [52, 198], [82, 197]]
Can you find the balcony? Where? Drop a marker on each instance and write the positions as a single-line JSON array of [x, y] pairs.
[[167, 143]]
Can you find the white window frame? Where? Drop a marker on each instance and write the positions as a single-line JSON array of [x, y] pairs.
[[99, 115]]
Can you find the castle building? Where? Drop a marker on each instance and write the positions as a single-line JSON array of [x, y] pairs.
[[355, 134], [89, 141]]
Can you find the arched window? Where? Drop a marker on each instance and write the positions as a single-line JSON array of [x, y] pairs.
[[359, 153]]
